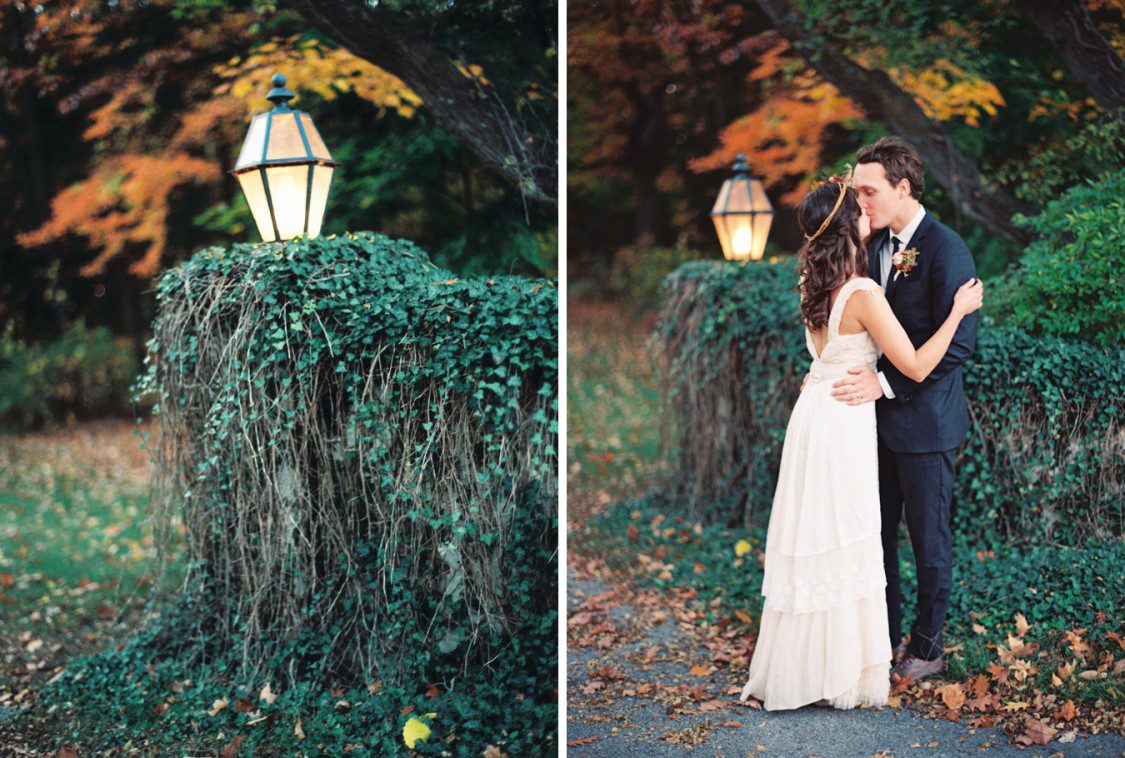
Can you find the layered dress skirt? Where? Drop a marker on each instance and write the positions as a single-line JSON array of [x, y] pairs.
[[824, 629]]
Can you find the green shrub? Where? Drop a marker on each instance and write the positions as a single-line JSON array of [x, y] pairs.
[[1069, 280], [84, 373], [1045, 458], [636, 272], [360, 448]]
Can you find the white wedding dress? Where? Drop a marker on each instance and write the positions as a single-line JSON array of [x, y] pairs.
[[824, 632]]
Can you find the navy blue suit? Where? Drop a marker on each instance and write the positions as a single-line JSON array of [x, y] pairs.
[[921, 428]]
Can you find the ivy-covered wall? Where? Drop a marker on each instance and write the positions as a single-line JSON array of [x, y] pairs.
[[359, 450], [1045, 459]]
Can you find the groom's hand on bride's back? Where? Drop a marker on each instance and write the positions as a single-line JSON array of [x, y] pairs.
[[860, 386]]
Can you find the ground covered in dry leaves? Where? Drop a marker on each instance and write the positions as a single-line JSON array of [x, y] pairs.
[[654, 665]]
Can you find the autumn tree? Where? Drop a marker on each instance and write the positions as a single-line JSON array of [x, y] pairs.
[[507, 115]]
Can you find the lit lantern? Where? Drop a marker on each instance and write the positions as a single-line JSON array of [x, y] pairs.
[[742, 215], [285, 170]]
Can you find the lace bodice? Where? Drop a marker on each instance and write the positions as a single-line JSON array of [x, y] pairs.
[[842, 351]]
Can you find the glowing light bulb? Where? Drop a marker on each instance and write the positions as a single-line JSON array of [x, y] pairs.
[[742, 241]]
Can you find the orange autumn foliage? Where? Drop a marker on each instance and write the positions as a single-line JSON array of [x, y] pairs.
[[786, 134], [124, 202], [127, 199]]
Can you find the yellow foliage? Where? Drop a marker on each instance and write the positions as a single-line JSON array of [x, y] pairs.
[[125, 201], [784, 137], [312, 67], [945, 91]]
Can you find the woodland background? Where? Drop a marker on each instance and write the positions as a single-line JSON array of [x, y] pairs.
[[1011, 103], [120, 119], [683, 368]]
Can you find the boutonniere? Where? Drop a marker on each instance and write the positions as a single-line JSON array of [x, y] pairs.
[[905, 261]]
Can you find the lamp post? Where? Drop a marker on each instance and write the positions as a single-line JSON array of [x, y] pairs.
[[285, 169], [742, 214]]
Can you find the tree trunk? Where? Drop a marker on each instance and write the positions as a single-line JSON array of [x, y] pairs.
[[1092, 60], [643, 155], [883, 100], [468, 108]]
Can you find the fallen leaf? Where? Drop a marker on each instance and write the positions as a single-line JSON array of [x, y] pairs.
[[1038, 732], [700, 669], [267, 695], [1067, 712], [1021, 624], [1066, 670], [217, 706], [415, 731], [297, 730], [952, 696], [230, 750]]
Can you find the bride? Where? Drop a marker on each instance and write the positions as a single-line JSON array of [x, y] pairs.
[[823, 637]]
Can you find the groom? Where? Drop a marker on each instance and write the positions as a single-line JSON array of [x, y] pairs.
[[920, 424]]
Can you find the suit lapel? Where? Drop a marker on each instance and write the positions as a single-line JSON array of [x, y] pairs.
[[873, 247], [915, 242]]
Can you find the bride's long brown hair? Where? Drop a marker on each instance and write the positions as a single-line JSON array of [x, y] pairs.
[[827, 261]]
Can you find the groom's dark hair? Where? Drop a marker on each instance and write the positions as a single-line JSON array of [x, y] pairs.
[[899, 159]]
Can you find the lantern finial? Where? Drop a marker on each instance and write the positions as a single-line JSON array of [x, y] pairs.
[[280, 95]]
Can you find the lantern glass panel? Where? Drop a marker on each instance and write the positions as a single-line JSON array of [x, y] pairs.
[[285, 140], [740, 200], [724, 238], [255, 193], [741, 236], [255, 142], [316, 144], [762, 222], [288, 186], [758, 196], [322, 181], [721, 200]]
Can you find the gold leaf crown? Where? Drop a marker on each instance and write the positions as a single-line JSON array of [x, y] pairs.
[[845, 181]]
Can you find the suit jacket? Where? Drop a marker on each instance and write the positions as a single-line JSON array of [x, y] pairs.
[[930, 415]]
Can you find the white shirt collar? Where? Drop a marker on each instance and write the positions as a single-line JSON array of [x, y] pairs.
[[908, 231]]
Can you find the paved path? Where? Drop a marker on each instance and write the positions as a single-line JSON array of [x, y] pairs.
[[631, 692]]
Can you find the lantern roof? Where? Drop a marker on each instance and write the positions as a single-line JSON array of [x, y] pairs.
[[282, 136], [740, 193]]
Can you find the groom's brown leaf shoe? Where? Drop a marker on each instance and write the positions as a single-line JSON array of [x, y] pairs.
[[911, 669]]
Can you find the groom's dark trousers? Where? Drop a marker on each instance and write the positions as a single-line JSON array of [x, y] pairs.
[[921, 427]]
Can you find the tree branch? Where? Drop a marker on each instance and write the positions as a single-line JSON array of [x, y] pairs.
[[471, 110], [1092, 60], [883, 100]]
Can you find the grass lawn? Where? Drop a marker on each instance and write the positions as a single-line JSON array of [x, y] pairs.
[[1034, 634], [76, 556]]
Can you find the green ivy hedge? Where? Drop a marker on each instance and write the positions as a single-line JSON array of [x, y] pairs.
[[1045, 459], [360, 449], [1069, 280], [83, 373]]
